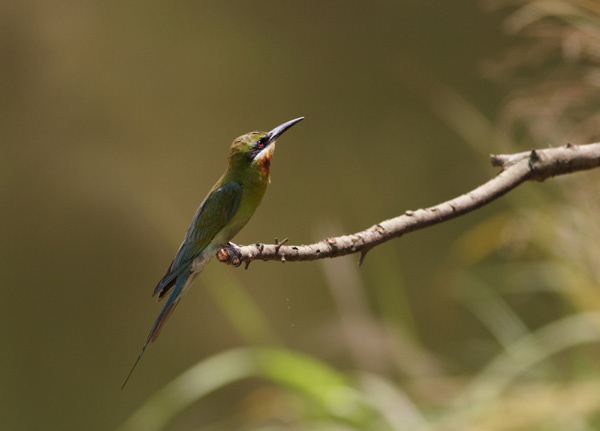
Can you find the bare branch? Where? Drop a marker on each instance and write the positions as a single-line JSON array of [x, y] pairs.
[[517, 168]]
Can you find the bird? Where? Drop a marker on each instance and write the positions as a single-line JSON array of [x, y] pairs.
[[226, 209]]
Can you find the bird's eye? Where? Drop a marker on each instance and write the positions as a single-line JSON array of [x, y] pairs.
[[261, 142]]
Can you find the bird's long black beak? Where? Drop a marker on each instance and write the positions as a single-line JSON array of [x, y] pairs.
[[278, 131]]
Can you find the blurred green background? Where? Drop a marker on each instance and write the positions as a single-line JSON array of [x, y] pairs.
[[115, 120]]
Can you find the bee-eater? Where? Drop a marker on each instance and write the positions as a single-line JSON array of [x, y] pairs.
[[225, 210]]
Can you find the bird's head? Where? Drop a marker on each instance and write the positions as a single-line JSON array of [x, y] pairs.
[[255, 149]]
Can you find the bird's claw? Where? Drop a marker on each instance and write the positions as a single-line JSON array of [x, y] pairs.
[[230, 254]]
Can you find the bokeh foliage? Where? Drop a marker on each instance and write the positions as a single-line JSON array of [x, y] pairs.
[[116, 117]]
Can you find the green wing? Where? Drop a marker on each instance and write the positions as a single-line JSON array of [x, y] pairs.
[[214, 213]]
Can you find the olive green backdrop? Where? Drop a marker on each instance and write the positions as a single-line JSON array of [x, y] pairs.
[[115, 119]]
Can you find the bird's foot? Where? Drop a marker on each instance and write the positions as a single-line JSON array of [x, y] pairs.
[[230, 254]]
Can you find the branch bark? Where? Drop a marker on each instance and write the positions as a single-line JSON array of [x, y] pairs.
[[537, 165]]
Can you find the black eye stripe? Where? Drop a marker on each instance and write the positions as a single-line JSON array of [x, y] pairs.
[[258, 147]]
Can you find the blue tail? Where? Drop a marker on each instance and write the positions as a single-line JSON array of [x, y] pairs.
[[162, 318]]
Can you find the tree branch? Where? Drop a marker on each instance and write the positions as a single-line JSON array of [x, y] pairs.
[[537, 165]]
